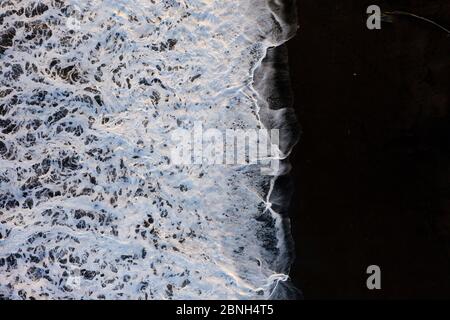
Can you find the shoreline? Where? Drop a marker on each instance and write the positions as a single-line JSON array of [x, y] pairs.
[[275, 111]]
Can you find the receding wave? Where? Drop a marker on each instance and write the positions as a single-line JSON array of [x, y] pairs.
[[91, 206]]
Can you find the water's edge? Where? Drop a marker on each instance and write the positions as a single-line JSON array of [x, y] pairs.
[[271, 82]]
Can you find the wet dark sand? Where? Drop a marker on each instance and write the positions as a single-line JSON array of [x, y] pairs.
[[372, 168]]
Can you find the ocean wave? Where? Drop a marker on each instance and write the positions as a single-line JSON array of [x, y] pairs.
[[91, 207]]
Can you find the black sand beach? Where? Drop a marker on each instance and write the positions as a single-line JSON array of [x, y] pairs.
[[372, 165]]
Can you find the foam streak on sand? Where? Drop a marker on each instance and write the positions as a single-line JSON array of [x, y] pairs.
[[90, 204]]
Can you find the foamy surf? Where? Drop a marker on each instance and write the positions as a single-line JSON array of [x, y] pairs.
[[91, 206]]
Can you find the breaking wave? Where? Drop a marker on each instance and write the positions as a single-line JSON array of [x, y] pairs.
[[91, 206]]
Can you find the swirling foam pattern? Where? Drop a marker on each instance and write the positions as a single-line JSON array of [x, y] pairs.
[[91, 206]]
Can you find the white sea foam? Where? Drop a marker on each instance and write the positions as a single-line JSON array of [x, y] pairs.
[[90, 204]]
